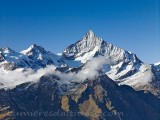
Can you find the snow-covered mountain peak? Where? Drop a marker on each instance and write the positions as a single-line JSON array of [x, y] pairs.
[[91, 46], [86, 44], [33, 49], [6, 50], [34, 46], [34, 57], [90, 39], [90, 34], [35, 52], [40, 55]]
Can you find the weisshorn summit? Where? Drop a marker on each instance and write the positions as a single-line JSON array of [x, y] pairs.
[[92, 78]]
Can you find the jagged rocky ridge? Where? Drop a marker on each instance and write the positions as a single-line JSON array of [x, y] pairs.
[[34, 57], [123, 67]]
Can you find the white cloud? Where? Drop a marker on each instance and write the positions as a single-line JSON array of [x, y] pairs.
[[16, 77], [12, 78]]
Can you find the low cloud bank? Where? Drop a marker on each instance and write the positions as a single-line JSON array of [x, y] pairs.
[[10, 79]]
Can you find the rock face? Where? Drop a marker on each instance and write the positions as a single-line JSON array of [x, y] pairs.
[[41, 56], [96, 99], [93, 79], [91, 46], [122, 66], [34, 57]]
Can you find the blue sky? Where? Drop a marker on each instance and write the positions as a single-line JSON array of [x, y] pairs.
[[54, 24]]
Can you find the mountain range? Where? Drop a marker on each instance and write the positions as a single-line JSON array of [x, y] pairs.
[[90, 76]]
